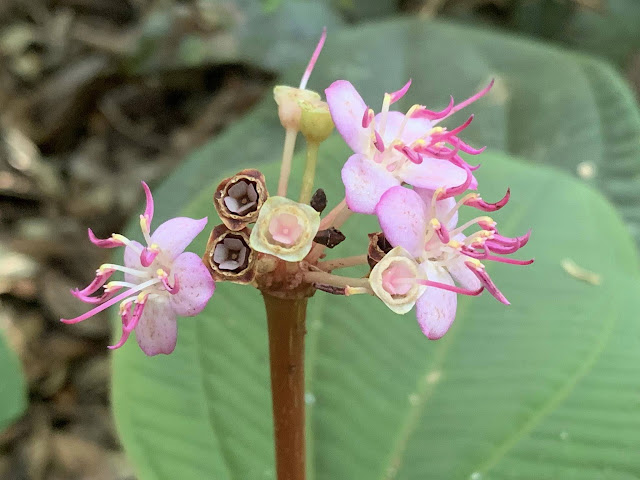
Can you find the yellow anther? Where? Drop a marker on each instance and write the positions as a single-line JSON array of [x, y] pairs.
[[143, 223], [435, 223], [161, 273], [141, 297], [436, 130], [348, 291], [419, 142], [119, 238], [475, 262], [413, 109], [454, 244], [154, 247]]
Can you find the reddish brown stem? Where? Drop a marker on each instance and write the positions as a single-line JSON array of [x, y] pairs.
[[286, 325]]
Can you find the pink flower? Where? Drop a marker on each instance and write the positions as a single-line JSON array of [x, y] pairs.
[[161, 282], [392, 148], [427, 229]]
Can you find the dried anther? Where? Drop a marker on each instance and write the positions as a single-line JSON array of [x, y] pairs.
[[378, 248], [319, 201], [331, 237], [229, 257], [238, 199]]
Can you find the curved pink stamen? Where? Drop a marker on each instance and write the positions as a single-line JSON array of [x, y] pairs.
[[378, 142], [511, 261], [458, 129], [148, 255], [95, 300], [169, 288], [104, 243], [397, 95], [480, 204], [451, 288], [411, 154], [314, 58], [107, 304], [484, 278], [368, 117], [443, 233], [466, 148], [473, 98], [99, 280], [148, 211], [432, 115], [129, 322], [501, 249], [453, 191]]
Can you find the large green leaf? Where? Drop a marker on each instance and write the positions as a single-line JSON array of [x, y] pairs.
[[546, 388], [13, 398], [547, 106]]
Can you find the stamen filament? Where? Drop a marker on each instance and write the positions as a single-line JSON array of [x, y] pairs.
[[345, 262], [120, 268], [287, 158], [314, 58], [112, 301], [335, 280]]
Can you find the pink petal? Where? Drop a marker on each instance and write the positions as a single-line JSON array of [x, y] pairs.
[[196, 285], [433, 173], [443, 207], [364, 182], [403, 218], [174, 235], [413, 130], [157, 329], [347, 107], [436, 308], [132, 260]]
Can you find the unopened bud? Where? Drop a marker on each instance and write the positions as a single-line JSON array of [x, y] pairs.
[[238, 199], [315, 122], [319, 201], [229, 257], [288, 100], [331, 237], [378, 248], [285, 229]]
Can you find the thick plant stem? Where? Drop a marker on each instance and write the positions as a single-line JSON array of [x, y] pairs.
[[286, 325]]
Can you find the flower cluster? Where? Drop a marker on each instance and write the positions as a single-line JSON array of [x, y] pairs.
[[406, 169]]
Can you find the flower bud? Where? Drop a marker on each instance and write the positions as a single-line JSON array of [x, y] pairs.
[[238, 199], [288, 100], [285, 229], [319, 200], [229, 257], [393, 280], [315, 122]]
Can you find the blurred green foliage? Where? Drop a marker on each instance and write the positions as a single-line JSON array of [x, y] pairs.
[[13, 396]]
